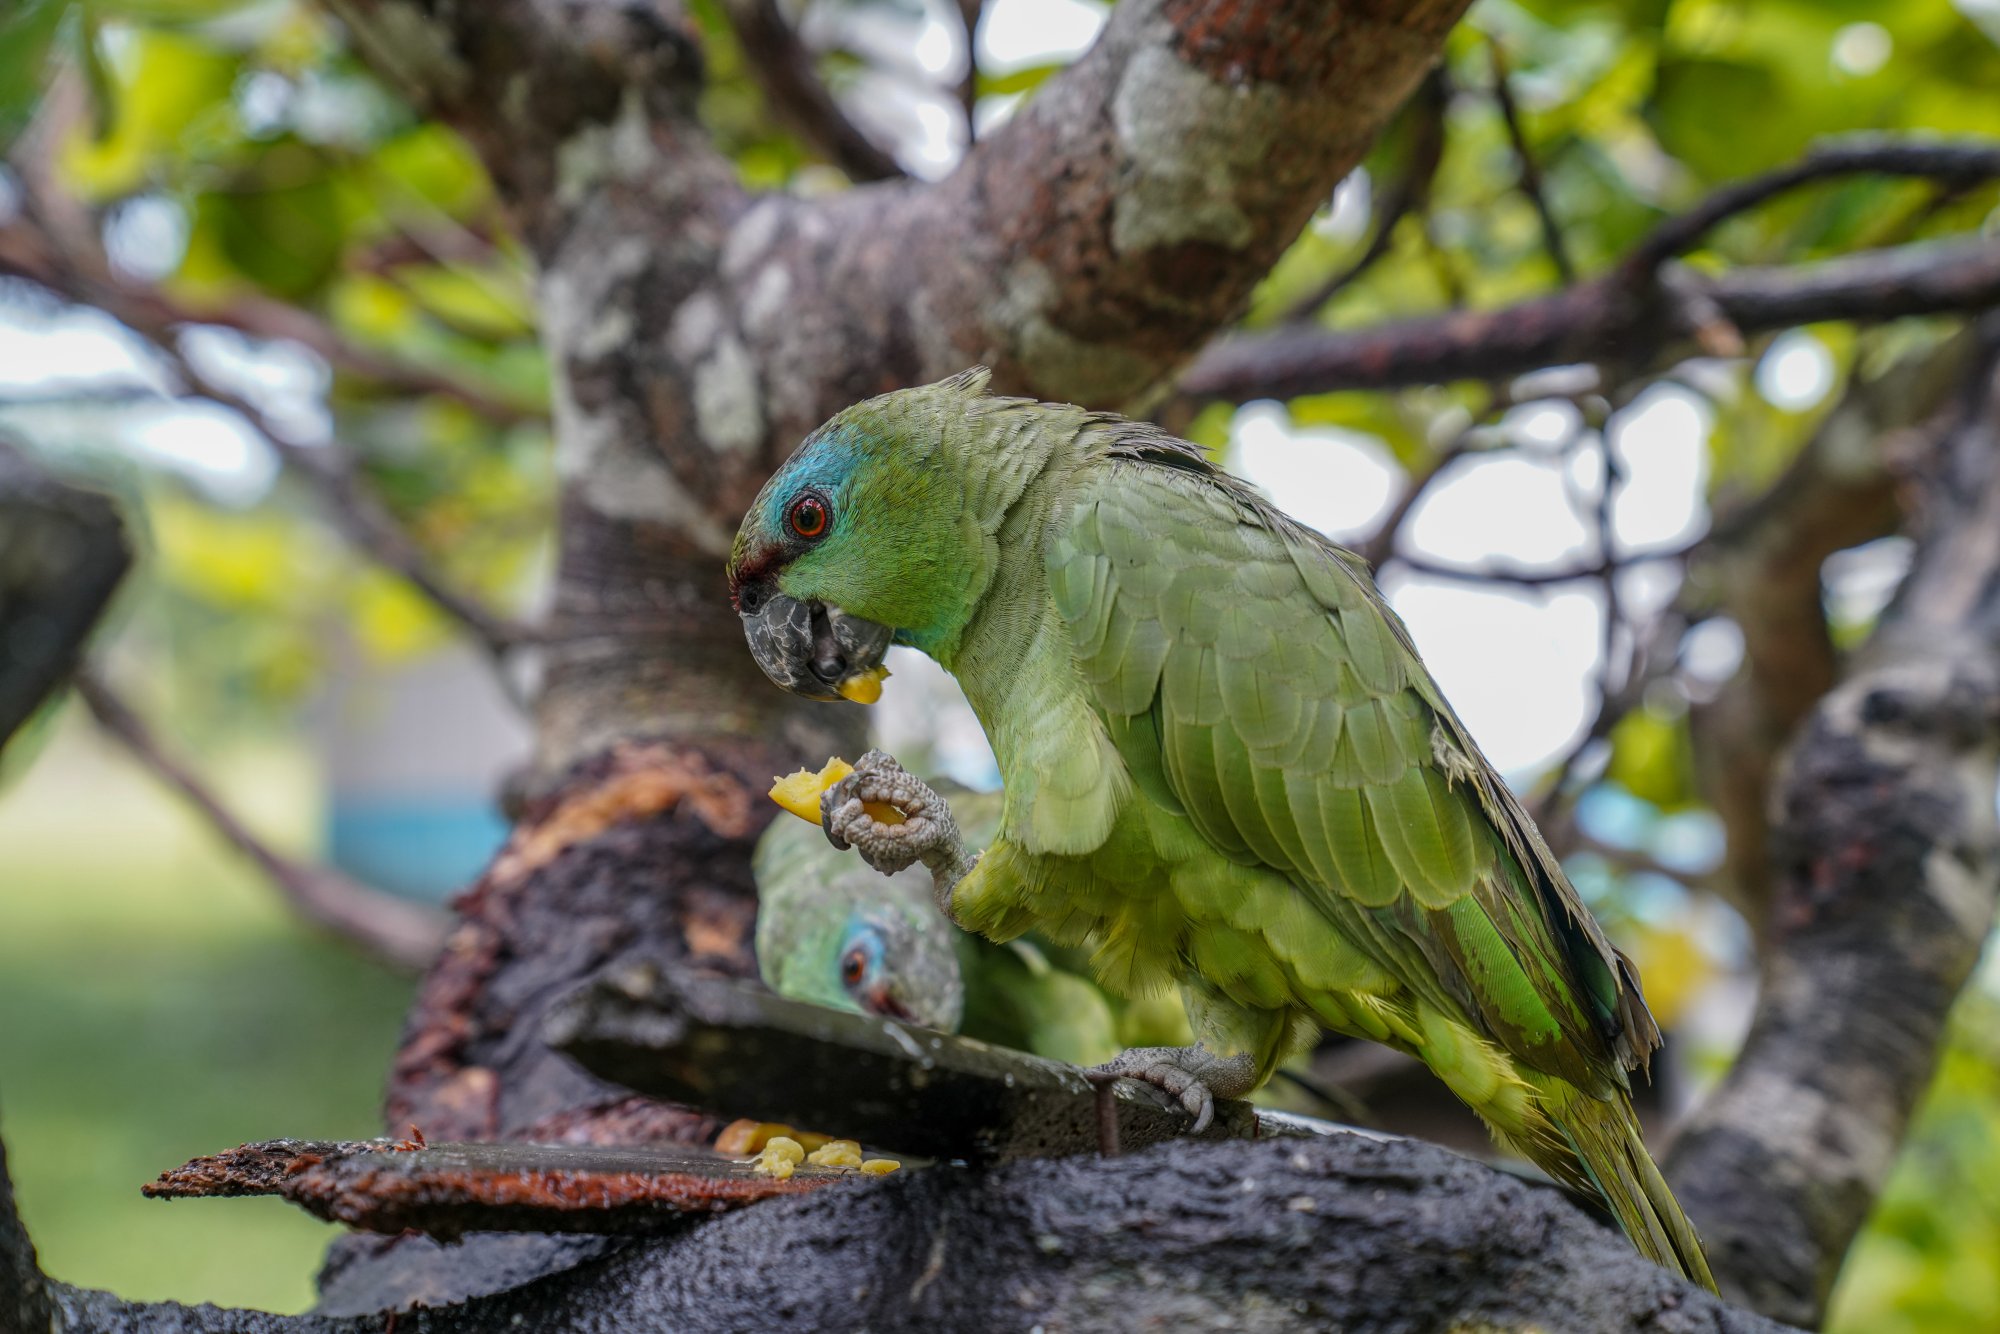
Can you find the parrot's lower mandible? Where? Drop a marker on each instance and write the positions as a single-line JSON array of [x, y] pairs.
[[1225, 767]]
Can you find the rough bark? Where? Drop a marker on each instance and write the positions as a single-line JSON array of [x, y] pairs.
[[1887, 860], [1341, 1233], [1761, 566], [24, 1296]]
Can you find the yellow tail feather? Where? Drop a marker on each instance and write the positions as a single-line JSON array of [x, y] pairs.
[[1604, 1139]]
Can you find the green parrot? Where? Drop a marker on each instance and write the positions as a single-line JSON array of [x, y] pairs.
[[833, 931], [1225, 767]]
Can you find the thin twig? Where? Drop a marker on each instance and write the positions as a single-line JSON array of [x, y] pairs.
[[969, 12], [1379, 545], [1530, 171], [1410, 192], [1636, 861], [405, 933], [785, 69], [368, 525], [1521, 578], [30, 252], [1957, 164]]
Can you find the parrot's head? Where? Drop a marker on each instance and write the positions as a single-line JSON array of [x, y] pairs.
[[861, 539], [886, 964], [836, 932]]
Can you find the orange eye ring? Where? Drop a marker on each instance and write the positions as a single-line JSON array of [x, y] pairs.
[[852, 968], [807, 518]]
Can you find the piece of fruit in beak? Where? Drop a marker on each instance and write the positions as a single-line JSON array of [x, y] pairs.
[[864, 687], [800, 792]]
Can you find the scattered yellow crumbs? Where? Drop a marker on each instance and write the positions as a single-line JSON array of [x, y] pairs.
[[779, 1158], [742, 1137], [836, 1153], [780, 1155], [800, 792], [864, 687]]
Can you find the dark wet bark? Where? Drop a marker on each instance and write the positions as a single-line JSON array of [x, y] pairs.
[[1340, 1233]]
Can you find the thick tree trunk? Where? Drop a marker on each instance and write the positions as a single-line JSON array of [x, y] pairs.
[[1886, 860]]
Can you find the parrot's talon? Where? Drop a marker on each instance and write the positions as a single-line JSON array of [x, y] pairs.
[[1193, 1076], [927, 834]]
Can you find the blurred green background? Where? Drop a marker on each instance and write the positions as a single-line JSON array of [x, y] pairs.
[[156, 1002]]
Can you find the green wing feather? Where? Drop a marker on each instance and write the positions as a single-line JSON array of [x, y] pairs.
[[1250, 667]]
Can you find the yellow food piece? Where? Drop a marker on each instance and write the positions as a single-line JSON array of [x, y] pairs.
[[880, 1167], [864, 687], [743, 1137], [799, 792], [836, 1153], [780, 1156]]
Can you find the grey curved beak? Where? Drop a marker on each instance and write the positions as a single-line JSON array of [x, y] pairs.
[[809, 648]]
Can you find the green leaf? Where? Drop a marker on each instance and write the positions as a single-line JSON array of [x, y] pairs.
[[282, 228], [1724, 118], [1017, 81]]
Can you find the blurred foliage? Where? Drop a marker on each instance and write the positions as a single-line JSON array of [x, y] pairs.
[[161, 1003], [1927, 1261], [236, 152]]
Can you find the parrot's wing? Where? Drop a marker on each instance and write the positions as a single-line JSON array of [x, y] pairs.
[[1252, 677]]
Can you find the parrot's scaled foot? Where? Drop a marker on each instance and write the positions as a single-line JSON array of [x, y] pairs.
[[1194, 1075], [928, 833]]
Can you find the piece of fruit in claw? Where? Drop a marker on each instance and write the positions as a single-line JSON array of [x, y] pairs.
[[864, 687], [800, 792]]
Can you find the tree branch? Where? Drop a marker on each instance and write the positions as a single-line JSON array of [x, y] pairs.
[[75, 267], [1948, 164], [1598, 320], [1530, 170], [1887, 858], [969, 14], [330, 471], [785, 69], [405, 933], [1410, 192], [83, 276]]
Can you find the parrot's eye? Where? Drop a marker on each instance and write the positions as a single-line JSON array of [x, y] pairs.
[[853, 967], [807, 517]]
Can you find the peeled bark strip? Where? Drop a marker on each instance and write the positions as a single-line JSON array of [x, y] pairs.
[[449, 1190], [1887, 859]]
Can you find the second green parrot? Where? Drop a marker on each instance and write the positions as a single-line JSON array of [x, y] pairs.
[[1226, 769], [833, 931]]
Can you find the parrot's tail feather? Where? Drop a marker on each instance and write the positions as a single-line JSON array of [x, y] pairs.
[[1604, 1136]]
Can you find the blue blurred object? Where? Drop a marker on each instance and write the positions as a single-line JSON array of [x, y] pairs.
[[422, 847]]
